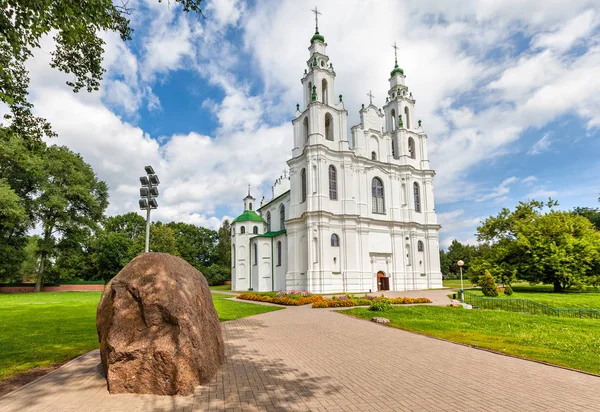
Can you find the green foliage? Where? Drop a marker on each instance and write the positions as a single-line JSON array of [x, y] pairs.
[[379, 305], [536, 245], [14, 223], [196, 245], [488, 286], [77, 28], [216, 274], [457, 251], [591, 214], [508, 291]]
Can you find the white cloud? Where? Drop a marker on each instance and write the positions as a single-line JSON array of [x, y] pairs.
[[499, 191], [579, 27], [541, 145], [529, 180]]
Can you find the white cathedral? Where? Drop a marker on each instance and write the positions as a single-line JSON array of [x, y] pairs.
[[355, 214]]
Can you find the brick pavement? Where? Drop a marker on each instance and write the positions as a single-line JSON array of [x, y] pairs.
[[301, 359]]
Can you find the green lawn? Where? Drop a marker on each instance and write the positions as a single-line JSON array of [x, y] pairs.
[[221, 287], [544, 294], [455, 283], [47, 328], [574, 343]]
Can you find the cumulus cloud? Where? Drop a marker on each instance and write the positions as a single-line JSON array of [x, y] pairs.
[[473, 106]]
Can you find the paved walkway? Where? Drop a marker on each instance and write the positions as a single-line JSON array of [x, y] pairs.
[[302, 359]]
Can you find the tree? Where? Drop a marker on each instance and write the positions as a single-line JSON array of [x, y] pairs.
[[592, 214], [29, 266], [457, 251], [71, 199], [14, 223], [162, 239], [76, 26], [196, 245], [488, 286], [224, 245], [536, 245]]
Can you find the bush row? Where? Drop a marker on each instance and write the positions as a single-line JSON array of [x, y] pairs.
[[280, 300], [368, 301]]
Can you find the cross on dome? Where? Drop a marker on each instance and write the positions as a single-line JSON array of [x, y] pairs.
[[397, 70], [317, 13], [370, 97]]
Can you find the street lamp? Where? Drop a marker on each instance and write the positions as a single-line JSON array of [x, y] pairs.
[[460, 264], [148, 195]]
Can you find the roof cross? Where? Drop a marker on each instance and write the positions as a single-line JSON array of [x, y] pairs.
[[370, 97], [317, 13], [395, 52]]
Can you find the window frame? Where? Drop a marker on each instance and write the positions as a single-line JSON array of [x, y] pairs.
[[303, 189], [282, 217], [335, 240], [332, 171], [417, 197], [378, 206], [279, 252]]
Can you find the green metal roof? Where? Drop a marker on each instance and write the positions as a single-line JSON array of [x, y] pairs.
[[271, 234], [318, 37], [248, 216], [397, 70]]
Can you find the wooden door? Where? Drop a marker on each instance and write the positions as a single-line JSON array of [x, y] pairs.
[[385, 283], [380, 277]]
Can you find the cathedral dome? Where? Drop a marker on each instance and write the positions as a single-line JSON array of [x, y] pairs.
[[248, 216], [397, 70], [318, 37]]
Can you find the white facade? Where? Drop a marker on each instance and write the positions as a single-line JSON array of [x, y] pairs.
[[359, 212]]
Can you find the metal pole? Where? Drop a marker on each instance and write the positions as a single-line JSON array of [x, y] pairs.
[[462, 288], [148, 217]]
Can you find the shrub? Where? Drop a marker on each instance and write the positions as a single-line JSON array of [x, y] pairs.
[[488, 285], [380, 305], [281, 300], [508, 290]]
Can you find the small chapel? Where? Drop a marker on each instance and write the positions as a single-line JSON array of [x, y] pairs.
[[356, 211]]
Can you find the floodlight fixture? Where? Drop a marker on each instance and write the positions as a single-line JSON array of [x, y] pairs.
[[154, 179], [148, 194]]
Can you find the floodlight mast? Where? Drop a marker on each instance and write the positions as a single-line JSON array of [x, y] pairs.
[[148, 194]]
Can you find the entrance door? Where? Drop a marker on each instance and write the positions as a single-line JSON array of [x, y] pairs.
[[383, 282]]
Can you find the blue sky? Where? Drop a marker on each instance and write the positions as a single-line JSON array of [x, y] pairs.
[[508, 92]]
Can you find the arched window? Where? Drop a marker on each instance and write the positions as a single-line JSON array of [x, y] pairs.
[[305, 123], [393, 119], [420, 247], [393, 149], [233, 257], [255, 252], [378, 197], [411, 148], [303, 184], [281, 217], [279, 253], [328, 127], [268, 221], [243, 230], [417, 197], [335, 240], [408, 257], [250, 206], [407, 117], [324, 91], [373, 156], [309, 92], [255, 230], [332, 182]]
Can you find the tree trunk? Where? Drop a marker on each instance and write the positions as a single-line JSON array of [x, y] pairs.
[[557, 286], [38, 281]]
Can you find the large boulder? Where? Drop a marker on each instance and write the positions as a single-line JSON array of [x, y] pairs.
[[158, 329]]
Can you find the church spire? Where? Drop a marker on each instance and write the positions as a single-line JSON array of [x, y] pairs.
[[397, 70], [317, 36]]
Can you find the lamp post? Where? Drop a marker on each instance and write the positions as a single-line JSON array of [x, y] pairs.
[[460, 264], [148, 195]]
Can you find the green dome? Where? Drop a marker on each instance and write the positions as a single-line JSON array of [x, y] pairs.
[[397, 70], [318, 37], [248, 216]]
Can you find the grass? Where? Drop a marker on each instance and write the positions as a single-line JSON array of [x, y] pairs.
[[220, 287], [455, 283], [545, 295], [43, 329], [573, 343]]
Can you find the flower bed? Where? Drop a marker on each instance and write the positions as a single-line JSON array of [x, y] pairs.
[[299, 298], [343, 301], [286, 299]]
